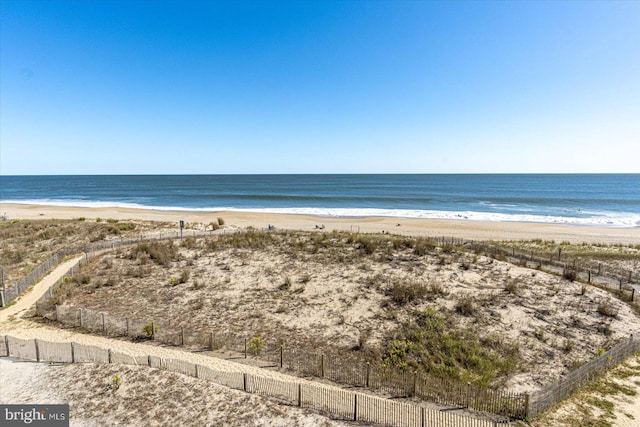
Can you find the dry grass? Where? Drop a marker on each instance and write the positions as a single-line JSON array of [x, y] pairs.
[[27, 243], [321, 290]]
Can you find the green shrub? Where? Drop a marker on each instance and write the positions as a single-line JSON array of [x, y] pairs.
[[161, 253], [430, 343], [405, 292], [255, 346], [150, 329], [116, 382]]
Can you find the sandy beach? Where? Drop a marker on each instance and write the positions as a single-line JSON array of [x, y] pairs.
[[475, 230]]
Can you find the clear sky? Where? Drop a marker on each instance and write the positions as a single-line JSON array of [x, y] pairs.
[[114, 87]]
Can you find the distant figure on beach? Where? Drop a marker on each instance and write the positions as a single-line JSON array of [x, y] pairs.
[[271, 227]]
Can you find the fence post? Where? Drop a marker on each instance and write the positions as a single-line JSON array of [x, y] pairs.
[[415, 383], [422, 410], [211, 341], [599, 268], [127, 319], [103, 328], [110, 356], [73, 353], [633, 292], [620, 288], [182, 335], [245, 349], [526, 406], [368, 373], [81, 317], [153, 332], [149, 360], [322, 365], [468, 394], [244, 382], [281, 355], [299, 395], [37, 349], [4, 288], [57, 313], [589, 277], [355, 406], [197, 371], [6, 344]]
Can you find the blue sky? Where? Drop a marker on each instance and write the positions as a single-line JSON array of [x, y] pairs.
[[90, 87]]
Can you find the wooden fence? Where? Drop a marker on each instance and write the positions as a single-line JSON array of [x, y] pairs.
[[352, 371], [11, 292], [8, 294], [334, 402], [564, 387], [356, 372]]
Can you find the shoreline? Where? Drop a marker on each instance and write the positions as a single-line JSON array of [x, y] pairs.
[[417, 227]]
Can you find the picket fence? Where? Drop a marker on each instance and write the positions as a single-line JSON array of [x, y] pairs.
[[339, 368], [334, 402]]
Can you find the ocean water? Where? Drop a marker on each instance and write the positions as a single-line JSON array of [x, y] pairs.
[[581, 199]]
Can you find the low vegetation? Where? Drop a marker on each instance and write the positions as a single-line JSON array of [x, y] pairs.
[[415, 304], [28, 243]]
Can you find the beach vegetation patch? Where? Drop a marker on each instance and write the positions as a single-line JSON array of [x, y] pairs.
[[607, 309], [255, 346], [407, 291], [162, 253], [429, 343]]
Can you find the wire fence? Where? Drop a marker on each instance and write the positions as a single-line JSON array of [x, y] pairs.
[[331, 401], [555, 262]]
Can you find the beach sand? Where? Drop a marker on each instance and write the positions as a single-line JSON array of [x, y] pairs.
[[473, 230]]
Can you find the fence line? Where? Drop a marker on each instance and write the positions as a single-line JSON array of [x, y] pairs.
[[349, 371], [564, 387], [334, 402], [394, 382], [10, 293], [590, 271]]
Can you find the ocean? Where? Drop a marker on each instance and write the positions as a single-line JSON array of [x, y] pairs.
[[580, 199]]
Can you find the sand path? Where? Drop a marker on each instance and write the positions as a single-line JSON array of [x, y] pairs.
[[26, 300], [13, 323]]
